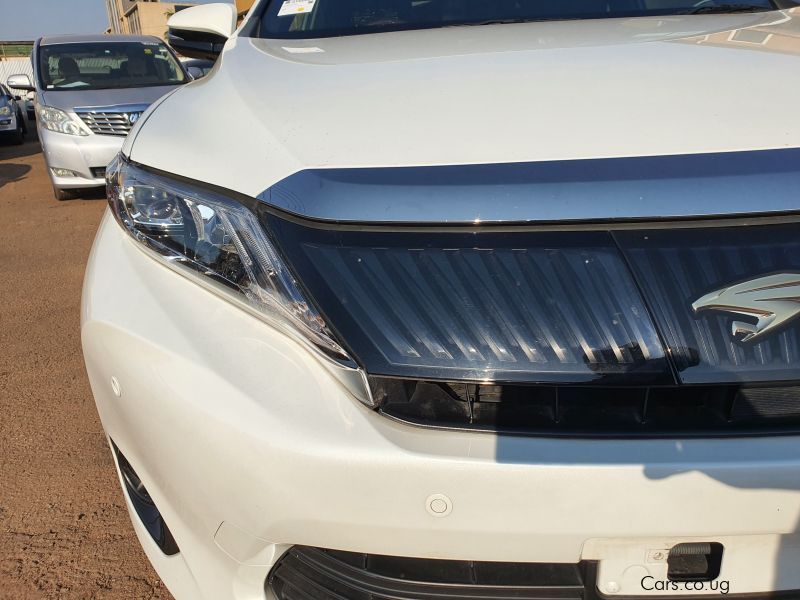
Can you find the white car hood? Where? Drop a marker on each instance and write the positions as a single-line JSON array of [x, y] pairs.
[[482, 94]]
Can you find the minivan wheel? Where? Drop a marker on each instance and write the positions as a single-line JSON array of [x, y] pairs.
[[19, 134], [61, 194]]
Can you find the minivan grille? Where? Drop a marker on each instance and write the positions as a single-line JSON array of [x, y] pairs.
[[108, 123], [635, 411]]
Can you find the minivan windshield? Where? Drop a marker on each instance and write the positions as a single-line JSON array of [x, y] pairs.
[[326, 18], [105, 65]]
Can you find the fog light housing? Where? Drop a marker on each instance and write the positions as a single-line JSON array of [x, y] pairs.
[[64, 173], [144, 506]]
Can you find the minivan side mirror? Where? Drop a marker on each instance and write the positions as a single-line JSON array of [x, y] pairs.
[[201, 31], [21, 82]]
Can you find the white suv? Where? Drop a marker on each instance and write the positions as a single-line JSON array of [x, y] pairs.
[[470, 300]]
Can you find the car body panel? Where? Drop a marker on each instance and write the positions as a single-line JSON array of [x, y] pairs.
[[546, 92], [70, 99], [283, 454], [246, 441]]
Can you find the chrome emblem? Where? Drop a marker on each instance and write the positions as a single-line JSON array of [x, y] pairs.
[[771, 301], [133, 117]]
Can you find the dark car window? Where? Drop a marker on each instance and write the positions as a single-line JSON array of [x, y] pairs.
[[103, 65], [325, 18]]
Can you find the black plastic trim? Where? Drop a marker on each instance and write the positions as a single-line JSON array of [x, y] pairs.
[[196, 45], [144, 506], [306, 573]]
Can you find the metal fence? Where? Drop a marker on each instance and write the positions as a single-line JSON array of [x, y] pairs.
[[14, 66]]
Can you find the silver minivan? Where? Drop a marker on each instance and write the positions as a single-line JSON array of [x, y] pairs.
[[90, 90]]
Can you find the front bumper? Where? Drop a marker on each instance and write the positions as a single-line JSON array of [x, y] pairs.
[[248, 446], [8, 123], [80, 154]]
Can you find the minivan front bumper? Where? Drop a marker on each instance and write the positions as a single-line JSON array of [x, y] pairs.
[[86, 156], [248, 447]]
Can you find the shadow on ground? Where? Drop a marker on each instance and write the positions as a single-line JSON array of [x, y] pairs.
[[98, 193], [10, 172], [29, 148]]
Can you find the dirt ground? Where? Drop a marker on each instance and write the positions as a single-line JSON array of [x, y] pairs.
[[64, 528]]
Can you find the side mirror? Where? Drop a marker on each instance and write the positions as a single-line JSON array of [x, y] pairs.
[[201, 31], [195, 72], [21, 82]]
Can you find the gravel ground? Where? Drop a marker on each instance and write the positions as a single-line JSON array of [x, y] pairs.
[[64, 528]]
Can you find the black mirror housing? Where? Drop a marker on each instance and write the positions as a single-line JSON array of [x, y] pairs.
[[195, 44]]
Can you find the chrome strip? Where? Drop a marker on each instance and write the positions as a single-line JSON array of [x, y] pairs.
[[660, 187], [111, 120], [114, 108]]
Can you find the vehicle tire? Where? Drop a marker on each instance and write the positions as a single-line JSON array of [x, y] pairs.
[[61, 194], [18, 136]]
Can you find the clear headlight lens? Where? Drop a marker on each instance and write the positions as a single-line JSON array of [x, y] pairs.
[[57, 120], [221, 242], [5, 111]]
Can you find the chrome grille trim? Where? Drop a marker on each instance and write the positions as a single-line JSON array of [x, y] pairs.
[[553, 193], [111, 120]]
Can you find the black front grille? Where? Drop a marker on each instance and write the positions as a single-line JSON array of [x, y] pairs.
[[632, 411], [98, 172], [305, 573]]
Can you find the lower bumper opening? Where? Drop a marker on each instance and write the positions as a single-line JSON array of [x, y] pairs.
[[144, 506], [306, 573]]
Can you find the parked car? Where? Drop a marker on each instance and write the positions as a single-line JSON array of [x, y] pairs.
[[470, 300], [30, 108], [198, 67], [12, 122], [90, 91]]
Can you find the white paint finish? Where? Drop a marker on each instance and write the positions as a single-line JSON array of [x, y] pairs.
[[227, 420], [218, 19], [504, 93], [625, 563]]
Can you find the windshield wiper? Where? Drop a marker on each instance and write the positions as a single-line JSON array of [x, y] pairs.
[[726, 8], [501, 21]]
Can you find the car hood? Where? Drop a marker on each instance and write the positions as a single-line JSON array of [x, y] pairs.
[[71, 99], [482, 94]]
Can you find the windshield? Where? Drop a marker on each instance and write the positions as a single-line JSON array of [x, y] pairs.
[[104, 65], [325, 18]]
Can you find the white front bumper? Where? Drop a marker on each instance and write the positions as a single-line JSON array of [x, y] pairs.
[[248, 446]]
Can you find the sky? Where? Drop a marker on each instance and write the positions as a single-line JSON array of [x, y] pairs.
[[30, 19]]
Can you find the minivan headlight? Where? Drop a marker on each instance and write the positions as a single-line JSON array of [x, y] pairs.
[[5, 111], [59, 121], [220, 243]]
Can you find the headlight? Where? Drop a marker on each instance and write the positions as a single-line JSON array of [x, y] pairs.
[[221, 243], [57, 120], [5, 111]]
